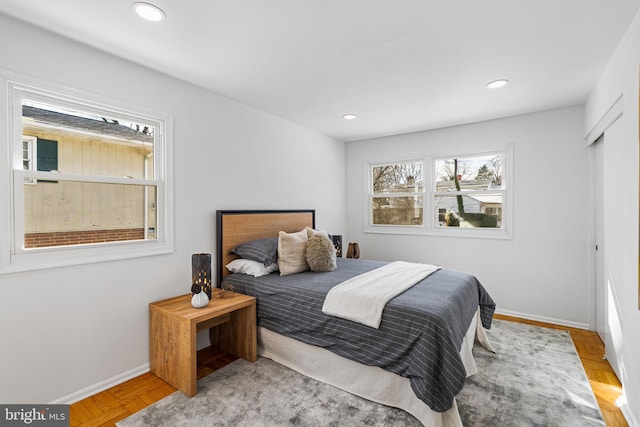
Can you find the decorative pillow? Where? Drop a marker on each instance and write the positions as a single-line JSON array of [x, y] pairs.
[[311, 232], [248, 266], [261, 250], [292, 248], [321, 254]]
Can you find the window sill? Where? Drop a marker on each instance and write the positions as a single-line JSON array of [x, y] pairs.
[[476, 233], [75, 255]]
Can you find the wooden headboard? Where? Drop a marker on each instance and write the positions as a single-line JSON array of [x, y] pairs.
[[236, 227]]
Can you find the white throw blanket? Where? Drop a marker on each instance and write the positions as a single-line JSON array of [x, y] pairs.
[[363, 298]]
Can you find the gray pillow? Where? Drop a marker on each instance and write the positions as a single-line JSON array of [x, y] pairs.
[[261, 250], [321, 254]]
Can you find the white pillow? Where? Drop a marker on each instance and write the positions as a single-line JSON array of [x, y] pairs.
[[292, 249], [253, 268]]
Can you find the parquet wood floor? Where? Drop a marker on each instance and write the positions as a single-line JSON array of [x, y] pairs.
[[110, 406]]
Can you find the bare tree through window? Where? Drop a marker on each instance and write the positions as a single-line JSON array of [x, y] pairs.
[[398, 194], [465, 191]]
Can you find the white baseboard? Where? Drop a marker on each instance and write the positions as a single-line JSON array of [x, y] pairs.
[[628, 415], [102, 385], [118, 379], [561, 322]]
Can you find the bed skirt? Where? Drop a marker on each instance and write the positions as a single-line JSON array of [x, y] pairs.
[[370, 382]]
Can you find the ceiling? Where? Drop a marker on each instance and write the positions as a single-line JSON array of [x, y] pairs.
[[400, 65]]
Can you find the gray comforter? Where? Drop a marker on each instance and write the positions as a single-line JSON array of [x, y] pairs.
[[420, 335]]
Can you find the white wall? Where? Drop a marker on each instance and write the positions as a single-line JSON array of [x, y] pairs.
[[621, 210], [542, 272], [66, 330]]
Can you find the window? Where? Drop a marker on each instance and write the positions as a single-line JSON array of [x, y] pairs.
[[464, 195], [397, 194], [89, 181], [29, 144], [38, 154], [468, 191]]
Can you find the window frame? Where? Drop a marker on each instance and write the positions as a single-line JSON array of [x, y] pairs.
[[13, 255], [430, 227]]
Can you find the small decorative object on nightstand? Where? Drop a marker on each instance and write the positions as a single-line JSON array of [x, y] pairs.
[[337, 243], [201, 272], [199, 298]]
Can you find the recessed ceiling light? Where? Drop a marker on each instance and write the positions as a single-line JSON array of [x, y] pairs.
[[349, 116], [497, 83], [149, 12]]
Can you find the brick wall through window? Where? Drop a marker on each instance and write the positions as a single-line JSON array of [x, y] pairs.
[[63, 238]]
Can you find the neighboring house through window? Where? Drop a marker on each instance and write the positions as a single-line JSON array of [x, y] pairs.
[[463, 195], [89, 181], [469, 191]]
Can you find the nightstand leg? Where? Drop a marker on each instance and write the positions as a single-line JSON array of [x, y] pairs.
[[172, 351]]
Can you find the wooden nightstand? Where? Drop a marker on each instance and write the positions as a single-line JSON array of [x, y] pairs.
[[173, 324]]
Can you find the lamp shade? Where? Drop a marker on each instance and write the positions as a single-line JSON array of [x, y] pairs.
[[201, 272]]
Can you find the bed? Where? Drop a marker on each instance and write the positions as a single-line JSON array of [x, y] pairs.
[[417, 359]]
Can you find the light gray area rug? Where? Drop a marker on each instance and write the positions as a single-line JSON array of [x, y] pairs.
[[535, 379]]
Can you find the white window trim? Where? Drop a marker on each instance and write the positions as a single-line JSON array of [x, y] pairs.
[[14, 258], [430, 228]]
